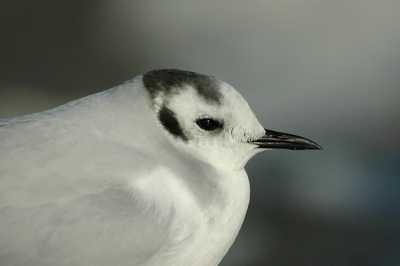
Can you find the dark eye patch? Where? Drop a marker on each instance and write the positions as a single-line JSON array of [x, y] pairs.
[[170, 123]]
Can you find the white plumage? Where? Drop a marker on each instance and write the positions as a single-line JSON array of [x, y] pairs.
[[135, 175]]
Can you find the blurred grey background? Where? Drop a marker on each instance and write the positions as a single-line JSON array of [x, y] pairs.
[[325, 70]]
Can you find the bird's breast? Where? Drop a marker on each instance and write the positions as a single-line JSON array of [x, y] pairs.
[[202, 225]]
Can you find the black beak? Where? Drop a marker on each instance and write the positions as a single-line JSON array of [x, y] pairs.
[[278, 140]]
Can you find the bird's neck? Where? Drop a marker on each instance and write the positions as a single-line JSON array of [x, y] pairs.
[[224, 224], [218, 223]]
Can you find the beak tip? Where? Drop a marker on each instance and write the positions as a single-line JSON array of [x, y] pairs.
[[315, 146]]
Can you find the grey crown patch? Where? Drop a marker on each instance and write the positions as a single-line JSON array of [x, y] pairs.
[[171, 81]]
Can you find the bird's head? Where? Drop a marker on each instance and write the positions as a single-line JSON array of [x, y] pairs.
[[210, 120]]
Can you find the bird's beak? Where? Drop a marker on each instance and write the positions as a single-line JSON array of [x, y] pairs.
[[278, 140]]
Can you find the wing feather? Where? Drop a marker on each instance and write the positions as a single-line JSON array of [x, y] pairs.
[[61, 202]]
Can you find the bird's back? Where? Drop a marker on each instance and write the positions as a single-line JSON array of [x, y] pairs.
[[73, 149], [62, 199]]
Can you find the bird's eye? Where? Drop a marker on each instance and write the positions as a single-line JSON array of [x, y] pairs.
[[207, 124]]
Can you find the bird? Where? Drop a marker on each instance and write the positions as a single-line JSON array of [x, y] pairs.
[[150, 172]]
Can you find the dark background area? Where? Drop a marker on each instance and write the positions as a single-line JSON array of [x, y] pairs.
[[325, 70]]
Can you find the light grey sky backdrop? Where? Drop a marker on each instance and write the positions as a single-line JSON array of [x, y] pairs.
[[325, 70]]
